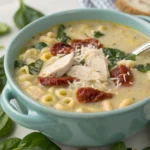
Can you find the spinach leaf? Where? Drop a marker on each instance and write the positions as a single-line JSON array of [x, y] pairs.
[[25, 15], [61, 35], [114, 55], [40, 45], [33, 148], [143, 68], [98, 34], [36, 141], [4, 28], [119, 146], [82, 61], [6, 124], [2, 74], [19, 63], [35, 67], [9, 144], [147, 148]]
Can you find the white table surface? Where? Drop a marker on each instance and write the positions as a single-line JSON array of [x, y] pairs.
[[7, 9]]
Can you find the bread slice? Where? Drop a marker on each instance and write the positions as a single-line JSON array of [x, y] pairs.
[[136, 7]]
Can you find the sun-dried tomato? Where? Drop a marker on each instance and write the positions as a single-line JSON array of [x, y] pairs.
[[77, 43], [123, 75], [49, 81], [89, 94], [61, 48]]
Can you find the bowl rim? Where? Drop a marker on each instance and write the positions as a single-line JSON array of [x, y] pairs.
[[39, 107]]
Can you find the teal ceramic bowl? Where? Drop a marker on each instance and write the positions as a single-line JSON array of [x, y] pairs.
[[76, 129]]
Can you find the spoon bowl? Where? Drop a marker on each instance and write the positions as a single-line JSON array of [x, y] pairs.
[[141, 48]]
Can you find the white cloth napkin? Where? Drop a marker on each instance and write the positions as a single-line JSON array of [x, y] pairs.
[[104, 4]]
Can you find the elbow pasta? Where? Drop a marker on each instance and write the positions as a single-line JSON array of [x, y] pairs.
[[68, 101], [65, 104], [44, 50], [47, 40], [61, 93], [127, 63], [126, 102], [30, 53], [26, 84], [35, 92], [29, 61], [148, 75], [45, 56], [23, 70], [107, 106], [48, 99], [25, 77], [66, 97]]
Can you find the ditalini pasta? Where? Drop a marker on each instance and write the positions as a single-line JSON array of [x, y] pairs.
[[84, 66]]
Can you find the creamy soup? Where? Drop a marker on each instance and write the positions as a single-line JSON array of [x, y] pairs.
[[84, 66]]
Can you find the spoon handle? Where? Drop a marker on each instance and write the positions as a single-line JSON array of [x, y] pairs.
[[141, 48]]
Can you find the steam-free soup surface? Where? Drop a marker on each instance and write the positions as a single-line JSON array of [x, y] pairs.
[[84, 66]]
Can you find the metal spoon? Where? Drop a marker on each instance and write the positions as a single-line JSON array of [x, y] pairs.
[[141, 48]]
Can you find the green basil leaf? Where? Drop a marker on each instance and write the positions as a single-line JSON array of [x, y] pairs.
[[37, 140], [9, 144], [25, 15], [98, 34], [82, 61], [35, 67], [4, 28], [6, 125], [61, 35], [115, 55], [60, 31], [1, 111], [40, 45], [33, 148], [130, 57], [147, 148], [119, 146], [19, 63], [143, 68], [2, 74]]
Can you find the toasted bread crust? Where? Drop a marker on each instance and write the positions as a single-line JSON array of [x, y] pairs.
[[123, 6]]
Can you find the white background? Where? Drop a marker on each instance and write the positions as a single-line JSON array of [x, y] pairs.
[[7, 10]]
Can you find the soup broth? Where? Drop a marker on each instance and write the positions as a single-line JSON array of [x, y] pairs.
[[84, 66]]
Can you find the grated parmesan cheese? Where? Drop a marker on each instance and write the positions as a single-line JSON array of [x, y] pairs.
[[124, 77], [82, 53]]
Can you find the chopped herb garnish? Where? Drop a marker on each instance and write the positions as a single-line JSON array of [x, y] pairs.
[[98, 34], [19, 63], [147, 148], [82, 61], [40, 45], [2, 74], [35, 67], [119, 146], [4, 29], [143, 68], [115, 55], [61, 35], [26, 15]]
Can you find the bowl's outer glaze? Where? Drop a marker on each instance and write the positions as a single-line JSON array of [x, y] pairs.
[[77, 129]]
